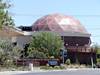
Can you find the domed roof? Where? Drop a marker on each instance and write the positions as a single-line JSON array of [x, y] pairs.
[[58, 23]]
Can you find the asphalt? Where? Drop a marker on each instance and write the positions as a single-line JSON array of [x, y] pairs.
[[54, 72]]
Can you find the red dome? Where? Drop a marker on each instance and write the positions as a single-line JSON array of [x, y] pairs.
[[58, 22]]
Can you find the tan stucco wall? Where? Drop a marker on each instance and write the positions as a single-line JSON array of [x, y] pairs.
[[22, 40]]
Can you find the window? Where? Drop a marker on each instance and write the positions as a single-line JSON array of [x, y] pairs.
[[14, 43]]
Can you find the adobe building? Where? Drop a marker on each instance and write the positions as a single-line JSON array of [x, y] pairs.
[[76, 38]]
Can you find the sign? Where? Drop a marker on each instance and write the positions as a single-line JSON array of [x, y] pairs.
[[63, 53]]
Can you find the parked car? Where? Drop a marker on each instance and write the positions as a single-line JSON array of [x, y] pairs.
[[53, 62]]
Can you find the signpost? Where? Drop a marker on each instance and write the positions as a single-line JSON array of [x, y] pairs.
[[63, 54]]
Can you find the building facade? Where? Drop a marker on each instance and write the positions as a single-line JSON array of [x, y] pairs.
[[76, 38]]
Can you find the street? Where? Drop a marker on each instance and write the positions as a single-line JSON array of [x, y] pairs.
[[71, 72]]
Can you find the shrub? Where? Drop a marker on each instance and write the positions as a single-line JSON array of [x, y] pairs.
[[8, 63], [68, 62], [56, 67], [98, 63], [98, 60], [62, 67], [52, 68]]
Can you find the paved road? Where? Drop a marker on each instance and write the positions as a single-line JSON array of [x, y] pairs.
[[71, 72]]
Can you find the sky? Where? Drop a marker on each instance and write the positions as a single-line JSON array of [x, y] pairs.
[[26, 12]]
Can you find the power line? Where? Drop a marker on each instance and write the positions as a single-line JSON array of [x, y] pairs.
[[22, 14]]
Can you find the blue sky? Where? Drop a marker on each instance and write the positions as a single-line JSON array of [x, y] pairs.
[[26, 12]]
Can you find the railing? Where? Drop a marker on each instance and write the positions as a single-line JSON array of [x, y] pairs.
[[36, 62], [80, 49]]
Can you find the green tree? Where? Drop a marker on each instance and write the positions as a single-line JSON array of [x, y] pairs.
[[46, 42], [5, 18], [8, 52], [96, 47]]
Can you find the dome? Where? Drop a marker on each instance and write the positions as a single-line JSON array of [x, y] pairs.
[[58, 23]]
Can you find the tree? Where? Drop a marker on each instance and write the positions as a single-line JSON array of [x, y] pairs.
[[16, 52], [8, 52], [96, 47], [5, 18], [47, 43]]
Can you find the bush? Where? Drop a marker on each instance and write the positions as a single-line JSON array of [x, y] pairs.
[[56, 67], [68, 62], [8, 63], [62, 67], [52, 68], [98, 63], [98, 60]]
